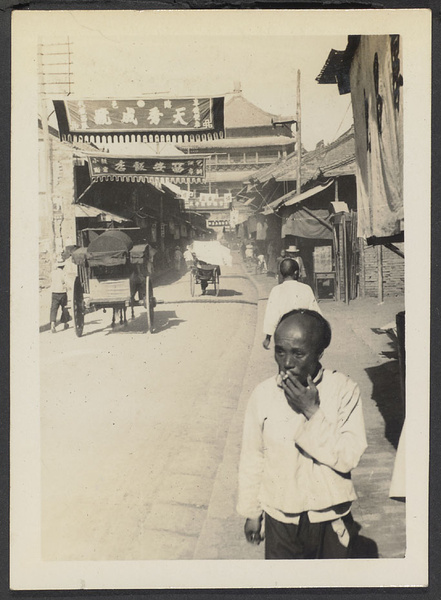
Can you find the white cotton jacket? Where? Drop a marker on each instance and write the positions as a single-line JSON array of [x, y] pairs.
[[285, 297], [290, 465]]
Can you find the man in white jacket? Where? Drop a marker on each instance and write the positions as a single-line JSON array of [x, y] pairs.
[[303, 434], [286, 296]]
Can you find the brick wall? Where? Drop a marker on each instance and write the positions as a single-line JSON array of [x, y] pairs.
[[56, 211], [393, 271]]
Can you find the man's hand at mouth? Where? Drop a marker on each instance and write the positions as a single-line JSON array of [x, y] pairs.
[[304, 400]]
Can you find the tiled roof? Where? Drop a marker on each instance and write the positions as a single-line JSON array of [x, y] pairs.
[[332, 67], [337, 158], [240, 113]]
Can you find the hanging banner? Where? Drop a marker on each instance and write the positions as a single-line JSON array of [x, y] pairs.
[[139, 169], [150, 116], [377, 103]]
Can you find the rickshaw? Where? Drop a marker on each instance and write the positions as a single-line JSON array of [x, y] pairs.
[[209, 255], [204, 274], [110, 269]]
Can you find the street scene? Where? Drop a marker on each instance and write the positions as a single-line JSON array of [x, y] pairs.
[[158, 251], [140, 456], [223, 299]]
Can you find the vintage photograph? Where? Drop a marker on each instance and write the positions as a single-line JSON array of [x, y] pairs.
[[215, 323]]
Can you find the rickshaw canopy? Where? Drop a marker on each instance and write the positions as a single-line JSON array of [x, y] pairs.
[[111, 248]]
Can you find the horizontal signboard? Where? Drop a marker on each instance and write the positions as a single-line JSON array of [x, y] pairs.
[[150, 116], [218, 223], [115, 168]]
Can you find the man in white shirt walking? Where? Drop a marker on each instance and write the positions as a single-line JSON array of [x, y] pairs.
[[303, 435], [286, 296], [59, 295]]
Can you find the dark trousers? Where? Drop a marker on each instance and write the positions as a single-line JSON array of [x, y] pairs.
[[59, 299], [305, 540]]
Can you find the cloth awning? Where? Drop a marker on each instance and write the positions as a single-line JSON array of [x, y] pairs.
[[84, 210], [308, 224], [292, 198]]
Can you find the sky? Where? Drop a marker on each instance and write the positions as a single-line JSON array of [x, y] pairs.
[[265, 66]]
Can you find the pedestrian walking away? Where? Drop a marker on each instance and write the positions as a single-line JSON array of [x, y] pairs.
[[294, 252], [279, 259], [303, 435], [286, 296], [59, 296]]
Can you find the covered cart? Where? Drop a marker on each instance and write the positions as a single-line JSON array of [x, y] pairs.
[[111, 271], [204, 274], [209, 256]]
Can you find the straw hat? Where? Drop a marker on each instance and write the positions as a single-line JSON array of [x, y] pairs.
[[292, 249]]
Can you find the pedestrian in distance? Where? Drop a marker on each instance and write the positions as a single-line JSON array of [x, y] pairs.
[[279, 259], [189, 258], [178, 257], [242, 250], [271, 259], [294, 252], [286, 296], [303, 435], [59, 295]]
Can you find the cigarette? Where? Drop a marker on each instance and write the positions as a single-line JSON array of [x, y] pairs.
[[285, 377]]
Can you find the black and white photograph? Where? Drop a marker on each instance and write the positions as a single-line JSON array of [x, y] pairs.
[[220, 275]]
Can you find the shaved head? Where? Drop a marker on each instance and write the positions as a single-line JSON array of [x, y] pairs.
[[289, 268], [315, 326]]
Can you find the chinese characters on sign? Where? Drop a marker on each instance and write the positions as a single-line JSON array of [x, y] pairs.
[[209, 201], [100, 166], [218, 223], [174, 115]]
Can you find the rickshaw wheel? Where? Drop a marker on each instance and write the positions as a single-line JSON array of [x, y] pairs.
[[216, 283], [192, 283], [149, 303], [78, 307]]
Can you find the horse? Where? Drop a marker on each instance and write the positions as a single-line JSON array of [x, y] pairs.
[[122, 315]]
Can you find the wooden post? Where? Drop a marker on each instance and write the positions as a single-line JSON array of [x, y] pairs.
[[345, 258], [362, 268], [161, 224], [380, 273]]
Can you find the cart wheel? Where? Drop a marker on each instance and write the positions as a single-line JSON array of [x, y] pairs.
[[149, 303], [192, 283], [216, 284], [78, 307]]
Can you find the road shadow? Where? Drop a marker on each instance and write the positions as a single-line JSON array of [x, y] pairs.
[[162, 320], [229, 293], [386, 392], [166, 319]]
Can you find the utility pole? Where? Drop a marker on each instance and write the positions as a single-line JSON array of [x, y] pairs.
[[299, 138]]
